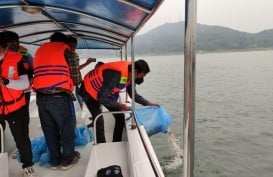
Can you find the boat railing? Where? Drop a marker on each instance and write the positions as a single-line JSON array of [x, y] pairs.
[[4, 164], [2, 138], [106, 112]]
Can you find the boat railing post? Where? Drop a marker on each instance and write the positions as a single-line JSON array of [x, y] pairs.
[[126, 58], [2, 139], [189, 86], [133, 80], [4, 162]]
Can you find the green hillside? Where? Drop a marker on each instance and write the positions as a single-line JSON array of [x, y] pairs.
[[169, 38]]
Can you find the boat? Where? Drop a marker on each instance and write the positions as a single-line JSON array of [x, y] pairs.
[[97, 24]]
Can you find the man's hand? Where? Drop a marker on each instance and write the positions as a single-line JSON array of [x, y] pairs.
[[152, 104], [90, 60], [3, 81], [124, 107]]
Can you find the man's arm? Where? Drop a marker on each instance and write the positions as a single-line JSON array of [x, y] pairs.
[[138, 98], [73, 67], [23, 81], [88, 61], [21, 84]]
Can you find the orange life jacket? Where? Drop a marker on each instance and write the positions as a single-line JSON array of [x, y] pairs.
[[10, 99], [50, 67], [93, 80]]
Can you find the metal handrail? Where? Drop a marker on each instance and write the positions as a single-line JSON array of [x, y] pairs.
[[96, 118], [2, 138]]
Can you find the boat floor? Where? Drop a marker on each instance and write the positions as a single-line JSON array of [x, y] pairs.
[[78, 170]]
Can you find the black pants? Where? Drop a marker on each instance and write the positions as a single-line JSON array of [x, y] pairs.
[[27, 96], [19, 125], [94, 108]]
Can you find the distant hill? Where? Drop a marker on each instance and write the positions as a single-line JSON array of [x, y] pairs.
[[169, 38]]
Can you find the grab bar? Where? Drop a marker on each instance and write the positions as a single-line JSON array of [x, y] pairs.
[[96, 118], [2, 138]]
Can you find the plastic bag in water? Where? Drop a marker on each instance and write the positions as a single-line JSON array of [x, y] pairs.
[[154, 118]]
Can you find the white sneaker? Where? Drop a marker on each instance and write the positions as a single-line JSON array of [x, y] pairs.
[[29, 172], [54, 167]]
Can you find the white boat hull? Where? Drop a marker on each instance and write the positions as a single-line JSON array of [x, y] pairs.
[[130, 154]]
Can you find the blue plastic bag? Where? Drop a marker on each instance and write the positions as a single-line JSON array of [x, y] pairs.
[[39, 147], [154, 118], [83, 135]]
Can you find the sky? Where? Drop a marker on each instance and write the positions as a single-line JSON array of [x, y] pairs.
[[244, 15]]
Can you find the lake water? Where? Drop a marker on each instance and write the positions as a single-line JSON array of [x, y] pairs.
[[234, 108]]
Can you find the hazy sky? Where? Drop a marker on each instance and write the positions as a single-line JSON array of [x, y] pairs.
[[243, 15]]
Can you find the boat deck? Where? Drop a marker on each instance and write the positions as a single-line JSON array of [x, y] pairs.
[[78, 170]]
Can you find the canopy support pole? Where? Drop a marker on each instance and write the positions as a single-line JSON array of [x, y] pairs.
[[189, 86]]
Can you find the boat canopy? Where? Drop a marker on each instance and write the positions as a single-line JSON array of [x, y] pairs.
[[97, 24]]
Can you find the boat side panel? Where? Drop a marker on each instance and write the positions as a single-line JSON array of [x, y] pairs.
[[140, 165]]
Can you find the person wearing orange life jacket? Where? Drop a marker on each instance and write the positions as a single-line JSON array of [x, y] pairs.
[[13, 44], [101, 86], [55, 74], [13, 81]]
